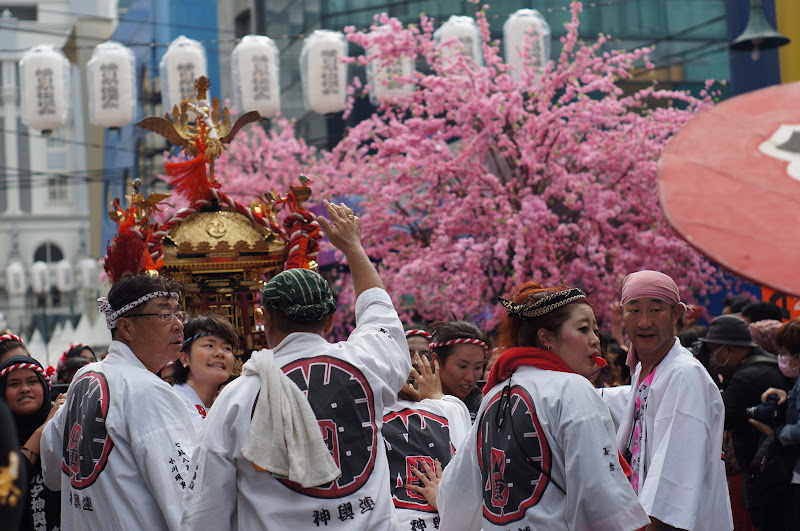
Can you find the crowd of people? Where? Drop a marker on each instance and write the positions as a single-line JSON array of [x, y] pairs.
[[662, 424]]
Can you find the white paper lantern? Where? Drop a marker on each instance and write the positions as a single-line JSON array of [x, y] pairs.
[[182, 64], [468, 34], [323, 74], [382, 76], [111, 77], [40, 278], [65, 276], [255, 63], [516, 31], [44, 75], [88, 271], [15, 279]]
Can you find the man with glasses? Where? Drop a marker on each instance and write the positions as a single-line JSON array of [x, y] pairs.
[[747, 371], [119, 449]]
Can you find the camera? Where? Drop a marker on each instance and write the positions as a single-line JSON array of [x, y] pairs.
[[769, 413]]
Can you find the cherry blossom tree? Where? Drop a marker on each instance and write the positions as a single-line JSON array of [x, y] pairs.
[[476, 182]]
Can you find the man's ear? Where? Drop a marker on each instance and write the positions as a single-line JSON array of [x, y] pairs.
[[330, 318], [125, 329], [677, 311]]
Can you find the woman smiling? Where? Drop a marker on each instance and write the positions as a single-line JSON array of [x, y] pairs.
[[24, 386], [461, 349], [206, 362]]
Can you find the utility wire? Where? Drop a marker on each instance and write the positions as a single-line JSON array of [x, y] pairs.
[[151, 44]]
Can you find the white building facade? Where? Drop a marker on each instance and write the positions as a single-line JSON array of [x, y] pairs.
[[50, 193]]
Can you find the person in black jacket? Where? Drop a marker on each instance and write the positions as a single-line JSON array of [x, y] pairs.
[[748, 371], [25, 387], [13, 474]]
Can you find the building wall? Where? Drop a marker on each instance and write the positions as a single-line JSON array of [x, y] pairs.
[[46, 206]]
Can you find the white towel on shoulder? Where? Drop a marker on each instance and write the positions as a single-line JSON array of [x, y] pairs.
[[284, 437]]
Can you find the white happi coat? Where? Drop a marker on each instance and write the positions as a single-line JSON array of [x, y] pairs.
[[681, 474], [119, 448], [348, 385], [197, 410], [413, 431], [562, 424]]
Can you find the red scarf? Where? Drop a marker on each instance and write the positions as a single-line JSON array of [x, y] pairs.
[[513, 358]]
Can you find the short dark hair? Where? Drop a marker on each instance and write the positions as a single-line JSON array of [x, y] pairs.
[[215, 326], [788, 337], [11, 344], [71, 366], [76, 351], [736, 303], [133, 287], [443, 332], [761, 311]]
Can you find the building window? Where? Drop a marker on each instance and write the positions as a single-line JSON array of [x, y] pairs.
[[57, 189], [48, 252], [242, 24], [20, 12]]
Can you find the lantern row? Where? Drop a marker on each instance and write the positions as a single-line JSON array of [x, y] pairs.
[[63, 276], [255, 65]]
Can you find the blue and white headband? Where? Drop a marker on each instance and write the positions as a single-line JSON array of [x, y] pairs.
[[188, 342]]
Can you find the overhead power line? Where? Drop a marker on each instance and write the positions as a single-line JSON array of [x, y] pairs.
[[295, 36]]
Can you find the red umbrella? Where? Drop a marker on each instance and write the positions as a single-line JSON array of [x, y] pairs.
[[729, 183]]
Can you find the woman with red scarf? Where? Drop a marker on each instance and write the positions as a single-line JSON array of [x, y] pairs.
[[542, 452]]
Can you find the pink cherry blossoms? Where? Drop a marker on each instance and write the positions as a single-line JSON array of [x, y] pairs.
[[476, 182]]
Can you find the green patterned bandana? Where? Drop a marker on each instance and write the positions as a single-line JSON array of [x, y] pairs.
[[303, 295]]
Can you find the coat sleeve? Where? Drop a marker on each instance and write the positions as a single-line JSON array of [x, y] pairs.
[[51, 450], [616, 398], [210, 501], [683, 449], [458, 418], [459, 498], [739, 394], [163, 450], [380, 338], [790, 434], [598, 495]]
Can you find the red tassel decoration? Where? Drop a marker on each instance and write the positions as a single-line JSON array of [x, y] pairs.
[[189, 178], [125, 255]]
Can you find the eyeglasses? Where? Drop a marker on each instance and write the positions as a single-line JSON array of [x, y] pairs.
[[166, 316], [717, 351]]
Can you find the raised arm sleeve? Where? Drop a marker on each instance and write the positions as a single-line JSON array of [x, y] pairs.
[[382, 343], [459, 498], [51, 450]]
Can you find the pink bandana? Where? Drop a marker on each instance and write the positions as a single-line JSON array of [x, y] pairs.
[[649, 284]]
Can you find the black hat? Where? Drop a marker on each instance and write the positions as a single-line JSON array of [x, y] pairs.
[[729, 330]]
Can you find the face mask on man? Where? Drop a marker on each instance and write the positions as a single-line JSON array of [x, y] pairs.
[[784, 363], [719, 366]]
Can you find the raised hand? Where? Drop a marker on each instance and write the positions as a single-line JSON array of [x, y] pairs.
[[344, 228], [428, 383]]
